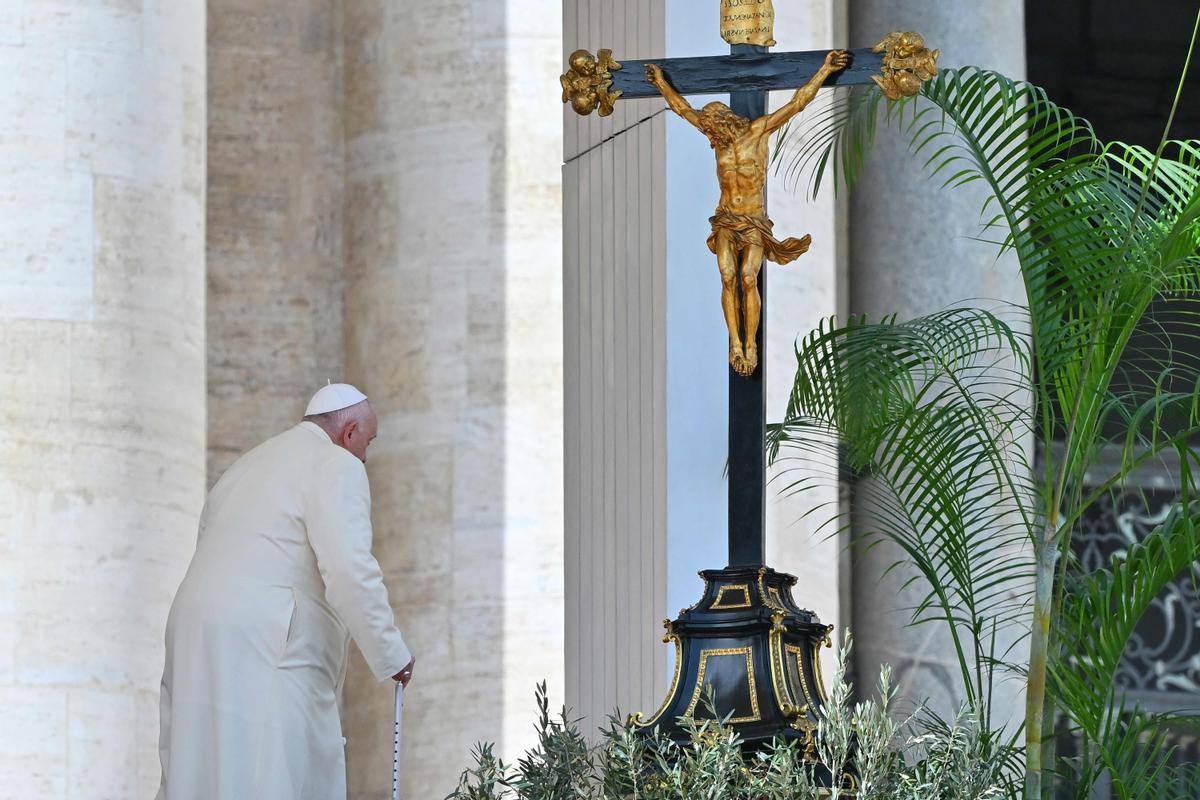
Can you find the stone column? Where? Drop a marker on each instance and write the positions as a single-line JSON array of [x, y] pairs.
[[800, 296], [913, 251], [102, 429], [454, 328], [275, 165]]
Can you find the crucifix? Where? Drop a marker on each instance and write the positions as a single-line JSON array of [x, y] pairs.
[[746, 637]]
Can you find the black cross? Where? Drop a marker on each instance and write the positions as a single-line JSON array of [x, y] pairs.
[[748, 73], [748, 397]]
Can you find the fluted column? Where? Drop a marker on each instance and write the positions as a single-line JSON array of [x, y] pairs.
[[914, 250], [102, 148]]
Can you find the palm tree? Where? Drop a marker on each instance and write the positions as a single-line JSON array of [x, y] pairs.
[[937, 410]]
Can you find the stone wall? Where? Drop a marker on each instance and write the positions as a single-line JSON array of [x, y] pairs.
[[102, 149], [274, 234], [452, 223]]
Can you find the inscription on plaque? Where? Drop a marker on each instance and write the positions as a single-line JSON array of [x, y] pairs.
[[748, 22]]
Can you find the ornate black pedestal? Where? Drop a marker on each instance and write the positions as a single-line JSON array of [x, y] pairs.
[[759, 651]]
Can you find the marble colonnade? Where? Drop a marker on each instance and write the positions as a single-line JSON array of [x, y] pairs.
[[102, 340], [453, 322]]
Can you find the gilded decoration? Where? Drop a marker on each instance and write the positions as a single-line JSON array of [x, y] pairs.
[[783, 694], [771, 599], [587, 84], [816, 662], [907, 63]]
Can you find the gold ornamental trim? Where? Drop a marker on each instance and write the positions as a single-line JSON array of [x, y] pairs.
[[816, 658], [635, 719], [771, 599], [783, 692], [696, 604], [744, 588], [748, 22], [809, 695], [748, 652]]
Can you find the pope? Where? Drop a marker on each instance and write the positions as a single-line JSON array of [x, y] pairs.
[[282, 578]]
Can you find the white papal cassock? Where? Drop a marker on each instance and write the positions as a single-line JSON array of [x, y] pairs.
[[256, 639]]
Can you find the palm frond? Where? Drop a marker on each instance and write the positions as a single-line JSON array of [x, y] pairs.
[[1099, 617], [934, 410], [1101, 232]]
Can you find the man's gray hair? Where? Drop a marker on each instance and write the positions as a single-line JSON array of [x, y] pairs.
[[333, 422]]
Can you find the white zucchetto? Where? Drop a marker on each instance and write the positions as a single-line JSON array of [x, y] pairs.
[[333, 397]]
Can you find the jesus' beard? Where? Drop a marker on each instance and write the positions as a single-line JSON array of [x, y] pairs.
[[724, 129]]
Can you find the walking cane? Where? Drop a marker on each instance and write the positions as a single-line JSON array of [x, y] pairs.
[[396, 742]]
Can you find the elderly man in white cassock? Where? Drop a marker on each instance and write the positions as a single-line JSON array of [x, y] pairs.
[[282, 578]]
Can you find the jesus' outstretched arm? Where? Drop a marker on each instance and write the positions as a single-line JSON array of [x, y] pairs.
[[836, 61], [674, 99]]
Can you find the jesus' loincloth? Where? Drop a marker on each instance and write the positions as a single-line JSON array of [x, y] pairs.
[[747, 231]]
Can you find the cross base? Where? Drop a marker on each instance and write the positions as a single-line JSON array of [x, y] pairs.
[[760, 652]]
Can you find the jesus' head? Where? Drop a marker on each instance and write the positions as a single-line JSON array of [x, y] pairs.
[[721, 125]]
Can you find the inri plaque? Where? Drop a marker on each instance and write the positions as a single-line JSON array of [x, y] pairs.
[[748, 22]]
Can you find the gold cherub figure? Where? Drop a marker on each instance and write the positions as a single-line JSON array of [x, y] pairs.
[[741, 231], [586, 84], [907, 64]]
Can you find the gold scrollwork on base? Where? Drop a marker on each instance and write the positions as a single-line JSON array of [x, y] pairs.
[[748, 652], [907, 63], [849, 782], [720, 605], [787, 703], [587, 83], [770, 600], [703, 595], [816, 658], [810, 744], [635, 719]]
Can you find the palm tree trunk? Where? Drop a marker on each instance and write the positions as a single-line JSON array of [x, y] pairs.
[[1039, 642], [1049, 746], [1050, 704]]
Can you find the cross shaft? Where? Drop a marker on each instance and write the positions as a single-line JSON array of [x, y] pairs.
[[747, 395]]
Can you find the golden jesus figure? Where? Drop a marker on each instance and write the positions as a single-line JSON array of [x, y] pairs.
[[741, 232]]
